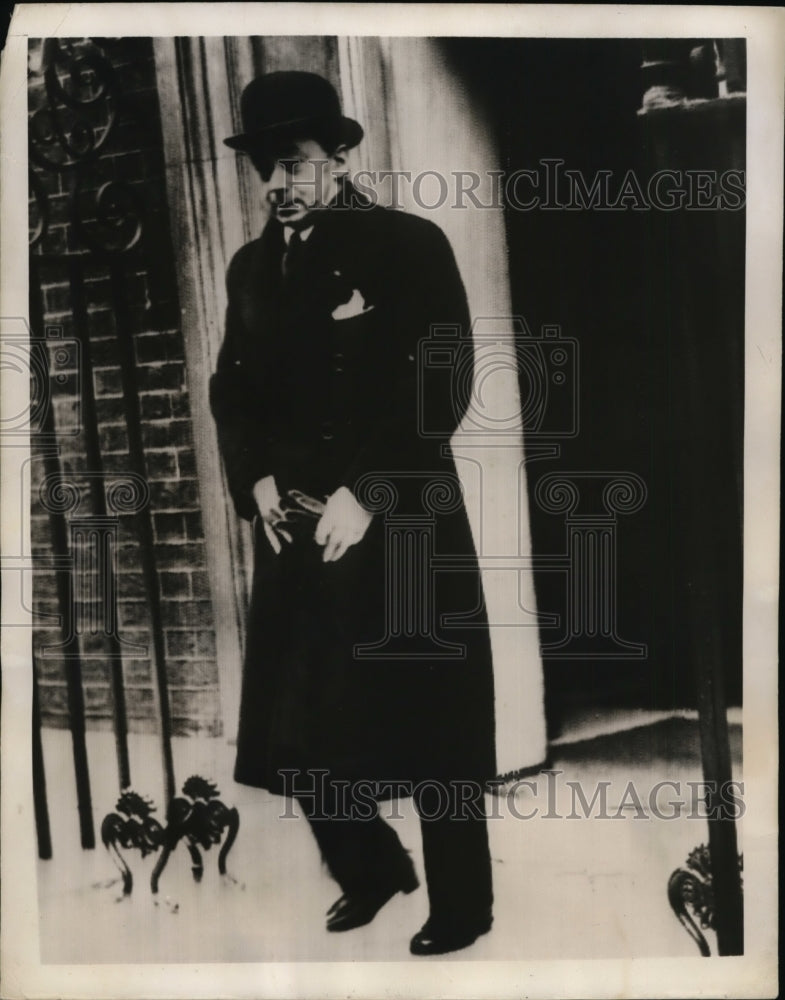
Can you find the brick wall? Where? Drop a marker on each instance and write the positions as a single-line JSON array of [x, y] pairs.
[[132, 155]]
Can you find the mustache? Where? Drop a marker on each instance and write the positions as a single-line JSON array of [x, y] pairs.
[[279, 199]]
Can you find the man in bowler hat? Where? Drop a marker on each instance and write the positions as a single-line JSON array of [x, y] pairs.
[[333, 431]]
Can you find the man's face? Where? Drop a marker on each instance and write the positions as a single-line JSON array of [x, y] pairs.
[[300, 181]]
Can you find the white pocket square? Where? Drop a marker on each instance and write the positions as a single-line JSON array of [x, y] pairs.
[[354, 307]]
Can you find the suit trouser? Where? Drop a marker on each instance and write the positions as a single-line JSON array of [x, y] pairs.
[[365, 854]]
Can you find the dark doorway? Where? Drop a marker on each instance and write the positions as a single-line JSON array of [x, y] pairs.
[[655, 300]]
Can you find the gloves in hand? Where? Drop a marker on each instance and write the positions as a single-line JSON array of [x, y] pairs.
[[340, 521]]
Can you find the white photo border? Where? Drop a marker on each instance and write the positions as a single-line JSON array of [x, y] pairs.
[[754, 974]]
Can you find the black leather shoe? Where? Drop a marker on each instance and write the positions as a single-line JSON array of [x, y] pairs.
[[354, 909], [437, 939], [337, 904]]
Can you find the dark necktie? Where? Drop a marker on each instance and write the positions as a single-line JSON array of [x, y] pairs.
[[293, 256]]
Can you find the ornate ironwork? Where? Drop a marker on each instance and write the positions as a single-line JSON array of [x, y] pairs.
[[80, 105], [131, 827], [200, 818], [80, 112], [84, 217], [693, 887]]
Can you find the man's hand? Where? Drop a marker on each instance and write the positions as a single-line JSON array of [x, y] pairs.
[[268, 500], [343, 523]]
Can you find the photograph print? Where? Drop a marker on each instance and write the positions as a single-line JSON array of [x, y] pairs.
[[386, 486]]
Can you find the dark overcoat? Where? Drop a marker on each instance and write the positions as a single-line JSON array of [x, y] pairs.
[[376, 666]]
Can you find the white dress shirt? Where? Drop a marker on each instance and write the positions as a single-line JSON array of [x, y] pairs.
[[288, 232]]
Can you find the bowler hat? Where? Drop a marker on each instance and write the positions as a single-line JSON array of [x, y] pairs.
[[288, 104]]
